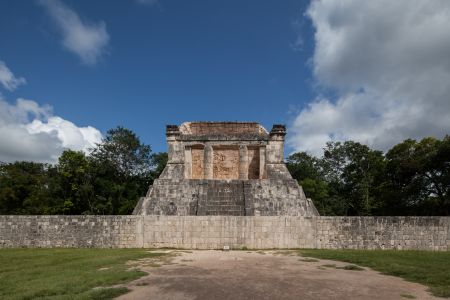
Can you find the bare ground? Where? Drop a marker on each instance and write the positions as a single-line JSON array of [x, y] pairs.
[[264, 275]]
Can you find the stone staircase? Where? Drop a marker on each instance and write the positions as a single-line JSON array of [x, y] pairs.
[[200, 197], [221, 198]]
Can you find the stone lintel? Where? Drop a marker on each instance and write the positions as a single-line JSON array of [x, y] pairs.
[[223, 137]]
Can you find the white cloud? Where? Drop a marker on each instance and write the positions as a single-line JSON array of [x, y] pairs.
[[389, 64], [31, 132], [7, 78], [87, 40]]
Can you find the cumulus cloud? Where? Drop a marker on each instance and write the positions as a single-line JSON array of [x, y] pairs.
[[7, 78], [388, 63], [31, 132], [87, 40]]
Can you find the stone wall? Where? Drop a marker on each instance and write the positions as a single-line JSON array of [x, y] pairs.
[[421, 233], [214, 232], [226, 162], [207, 232], [70, 231]]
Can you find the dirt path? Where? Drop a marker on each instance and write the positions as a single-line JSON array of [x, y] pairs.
[[265, 275]]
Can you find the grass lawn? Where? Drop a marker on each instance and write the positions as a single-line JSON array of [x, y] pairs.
[[66, 273], [429, 268]]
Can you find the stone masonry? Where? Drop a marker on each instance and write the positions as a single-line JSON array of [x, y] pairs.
[[215, 232], [225, 168]]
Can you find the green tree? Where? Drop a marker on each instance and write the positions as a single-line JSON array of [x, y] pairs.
[[345, 181], [123, 150], [419, 176], [24, 188], [308, 171], [158, 162], [75, 188], [413, 178], [301, 165], [121, 167], [355, 173], [318, 191]]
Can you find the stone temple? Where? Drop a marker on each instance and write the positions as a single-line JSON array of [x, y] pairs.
[[225, 168]]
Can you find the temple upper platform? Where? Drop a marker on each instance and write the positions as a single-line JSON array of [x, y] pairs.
[[225, 168]]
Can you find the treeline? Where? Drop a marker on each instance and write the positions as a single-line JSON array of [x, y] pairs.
[[109, 180], [412, 178]]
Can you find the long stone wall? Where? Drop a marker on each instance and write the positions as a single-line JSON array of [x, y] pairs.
[[400, 233], [70, 231], [214, 232]]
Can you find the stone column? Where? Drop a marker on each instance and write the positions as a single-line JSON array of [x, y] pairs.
[[275, 147], [175, 153], [243, 162], [188, 163], [208, 162], [262, 162]]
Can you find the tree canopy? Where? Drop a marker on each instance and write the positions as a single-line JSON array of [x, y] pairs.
[[109, 180], [412, 178]]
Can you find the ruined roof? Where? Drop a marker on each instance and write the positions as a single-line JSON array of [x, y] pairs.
[[222, 128], [222, 131], [230, 131]]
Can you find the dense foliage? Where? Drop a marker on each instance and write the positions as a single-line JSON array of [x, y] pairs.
[[412, 178], [109, 180]]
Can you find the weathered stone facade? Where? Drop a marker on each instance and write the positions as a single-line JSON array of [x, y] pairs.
[[225, 168], [214, 232], [70, 231], [399, 233]]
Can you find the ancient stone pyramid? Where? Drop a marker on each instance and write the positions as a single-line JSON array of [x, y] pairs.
[[225, 168]]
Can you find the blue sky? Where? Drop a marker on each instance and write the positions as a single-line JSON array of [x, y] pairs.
[[330, 70], [165, 63]]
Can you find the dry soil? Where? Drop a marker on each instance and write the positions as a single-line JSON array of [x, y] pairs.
[[264, 275]]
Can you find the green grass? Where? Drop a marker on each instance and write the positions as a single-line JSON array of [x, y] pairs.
[[67, 273], [346, 267], [429, 268], [408, 296]]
